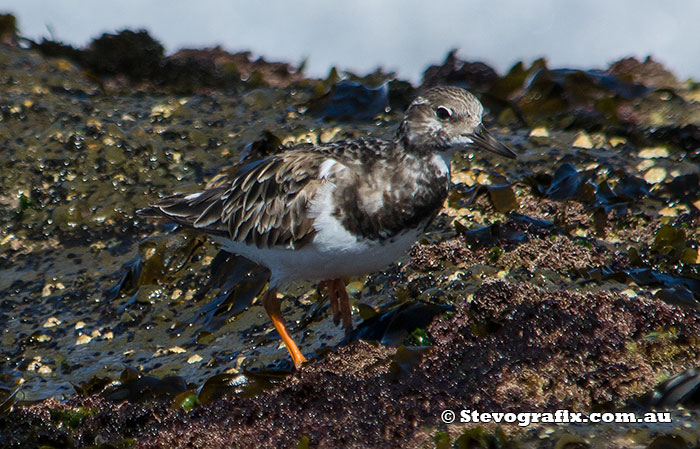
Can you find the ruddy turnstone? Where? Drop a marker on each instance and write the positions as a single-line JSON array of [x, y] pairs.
[[347, 208]]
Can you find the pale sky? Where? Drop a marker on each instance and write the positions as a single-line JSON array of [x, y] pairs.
[[401, 35]]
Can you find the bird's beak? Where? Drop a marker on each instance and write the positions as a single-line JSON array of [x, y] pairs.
[[482, 138]]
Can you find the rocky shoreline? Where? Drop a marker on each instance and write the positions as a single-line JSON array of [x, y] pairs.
[[568, 280]]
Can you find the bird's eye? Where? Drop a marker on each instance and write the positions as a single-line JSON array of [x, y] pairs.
[[443, 113]]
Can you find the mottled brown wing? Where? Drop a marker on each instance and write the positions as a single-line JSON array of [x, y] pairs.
[[266, 204]]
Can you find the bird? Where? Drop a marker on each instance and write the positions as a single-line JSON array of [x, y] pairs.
[[325, 212]]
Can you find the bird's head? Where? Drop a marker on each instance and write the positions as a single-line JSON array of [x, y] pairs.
[[445, 120]]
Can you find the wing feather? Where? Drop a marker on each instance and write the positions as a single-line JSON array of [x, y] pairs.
[[265, 204]]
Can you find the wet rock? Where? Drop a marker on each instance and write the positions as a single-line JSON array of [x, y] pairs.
[[427, 257], [188, 70], [8, 29], [474, 76], [565, 182], [589, 99], [648, 72], [401, 94], [394, 326], [350, 100], [136, 57], [544, 350], [680, 389], [686, 136], [134, 54]]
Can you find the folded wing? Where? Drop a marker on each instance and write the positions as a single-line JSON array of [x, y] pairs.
[[266, 204]]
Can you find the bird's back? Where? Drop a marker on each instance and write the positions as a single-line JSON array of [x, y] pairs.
[[377, 192]]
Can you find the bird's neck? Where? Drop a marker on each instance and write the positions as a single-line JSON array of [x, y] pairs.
[[419, 144], [431, 155], [443, 160]]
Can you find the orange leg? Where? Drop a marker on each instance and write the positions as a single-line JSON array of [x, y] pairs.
[[272, 307], [332, 298], [344, 303], [340, 303]]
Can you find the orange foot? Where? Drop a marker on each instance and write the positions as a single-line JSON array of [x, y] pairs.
[[272, 307], [340, 303]]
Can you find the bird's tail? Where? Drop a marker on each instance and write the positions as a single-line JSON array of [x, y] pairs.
[[186, 209]]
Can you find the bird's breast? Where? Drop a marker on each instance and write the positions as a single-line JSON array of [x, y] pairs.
[[391, 198]]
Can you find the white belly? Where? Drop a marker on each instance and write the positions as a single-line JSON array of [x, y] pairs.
[[319, 261]]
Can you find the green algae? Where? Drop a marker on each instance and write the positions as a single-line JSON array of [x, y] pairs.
[[483, 438], [70, 418]]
